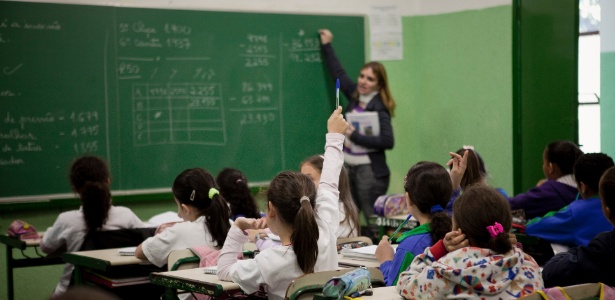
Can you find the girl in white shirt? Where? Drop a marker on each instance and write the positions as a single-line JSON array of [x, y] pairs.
[[206, 212], [349, 214], [305, 220], [89, 177]]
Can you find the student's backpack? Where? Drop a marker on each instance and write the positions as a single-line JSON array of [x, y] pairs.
[[22, 230], [391, 205]]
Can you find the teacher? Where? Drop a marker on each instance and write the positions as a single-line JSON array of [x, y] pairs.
[[368, 172]]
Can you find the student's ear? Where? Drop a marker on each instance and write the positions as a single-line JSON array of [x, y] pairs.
[[582, 187], [271, 211], [408, 200], [186, 209]]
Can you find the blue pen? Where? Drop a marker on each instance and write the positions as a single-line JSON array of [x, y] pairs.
[[337, 93], [400, 226]]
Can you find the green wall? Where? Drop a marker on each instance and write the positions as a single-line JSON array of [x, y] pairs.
[[607, 102], [454, 88]]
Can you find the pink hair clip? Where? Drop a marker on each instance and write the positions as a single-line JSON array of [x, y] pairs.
[[495, 230]]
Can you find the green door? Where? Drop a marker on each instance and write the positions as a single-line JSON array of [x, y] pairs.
[[545, 63]]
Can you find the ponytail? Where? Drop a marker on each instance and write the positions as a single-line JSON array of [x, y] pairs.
[[475, 168], [89, 177], [217, 219], [305, 236], [500, 243], [439, 226], [96, 201]]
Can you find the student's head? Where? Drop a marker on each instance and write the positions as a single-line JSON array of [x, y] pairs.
[[558, 159], [475, 214], [587, 172], [235, 190], [196, 194], [476, 172], [312, 167], [290, 205], [89, 177], [607, 194], [373, 78], [428, 189]]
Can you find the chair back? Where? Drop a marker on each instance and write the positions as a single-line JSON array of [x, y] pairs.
[[306, 286], [182, 259], [107, 239], [573, 292]]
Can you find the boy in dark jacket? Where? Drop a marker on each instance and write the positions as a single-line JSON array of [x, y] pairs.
[[594, 262]]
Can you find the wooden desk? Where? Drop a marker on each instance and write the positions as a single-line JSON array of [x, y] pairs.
[[11, 243], [108, 262], [191, 280], [384, 293], [344, 261]]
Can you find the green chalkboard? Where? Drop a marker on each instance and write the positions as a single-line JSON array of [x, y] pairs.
[[156, 91]]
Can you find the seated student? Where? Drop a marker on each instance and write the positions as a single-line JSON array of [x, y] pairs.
[[206, 212], [579, 222], [594, 262], [475, 173], [349, 213], [559, 189], [235, 190], [305, 219], [89, 178], [428, 188], [481, 262]]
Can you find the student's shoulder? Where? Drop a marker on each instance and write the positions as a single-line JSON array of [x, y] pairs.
[[121, 210], [70, 215]]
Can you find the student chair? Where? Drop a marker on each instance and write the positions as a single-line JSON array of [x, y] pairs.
[[182, 259], [576, 292], [306, 286]]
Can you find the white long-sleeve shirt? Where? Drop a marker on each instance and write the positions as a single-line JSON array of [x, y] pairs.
[[276, 267]]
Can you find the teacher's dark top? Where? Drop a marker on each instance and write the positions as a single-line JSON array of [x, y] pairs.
[[382, 142]]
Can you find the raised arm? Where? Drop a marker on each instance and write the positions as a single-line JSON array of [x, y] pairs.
[[327, 206], [333, 64]]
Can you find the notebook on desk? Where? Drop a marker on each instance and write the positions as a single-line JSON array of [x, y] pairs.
[[364, 253], [128, 251], [211, 270]]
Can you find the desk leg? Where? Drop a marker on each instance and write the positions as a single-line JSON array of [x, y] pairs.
[[171, 294], [9, 272], [78, 273]]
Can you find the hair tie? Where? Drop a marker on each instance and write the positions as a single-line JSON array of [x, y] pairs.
[[238, 180], [304, 198], [468, 147], [212, 193], [192, 195], [436, 209], [495, 230]]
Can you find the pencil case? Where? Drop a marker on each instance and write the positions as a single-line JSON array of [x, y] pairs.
[[352, 283]]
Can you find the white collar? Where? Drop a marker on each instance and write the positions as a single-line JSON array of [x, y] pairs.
[[366, 98], [568, 180]]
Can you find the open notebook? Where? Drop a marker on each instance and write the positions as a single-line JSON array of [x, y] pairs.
[[367, 252], [210, 270], [128, 251]]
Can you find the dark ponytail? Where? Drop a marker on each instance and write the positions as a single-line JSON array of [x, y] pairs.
[[89, 177], [235, 190], [197, 188], [305, 236], [430, 188], [285, 193], [96, 207]]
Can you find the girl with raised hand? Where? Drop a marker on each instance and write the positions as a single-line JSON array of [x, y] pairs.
[[304, 219], [206, 214], [481, 263], [89, 178]]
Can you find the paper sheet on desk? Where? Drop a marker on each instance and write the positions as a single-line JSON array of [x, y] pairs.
[[367, 252], [128, 251]]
